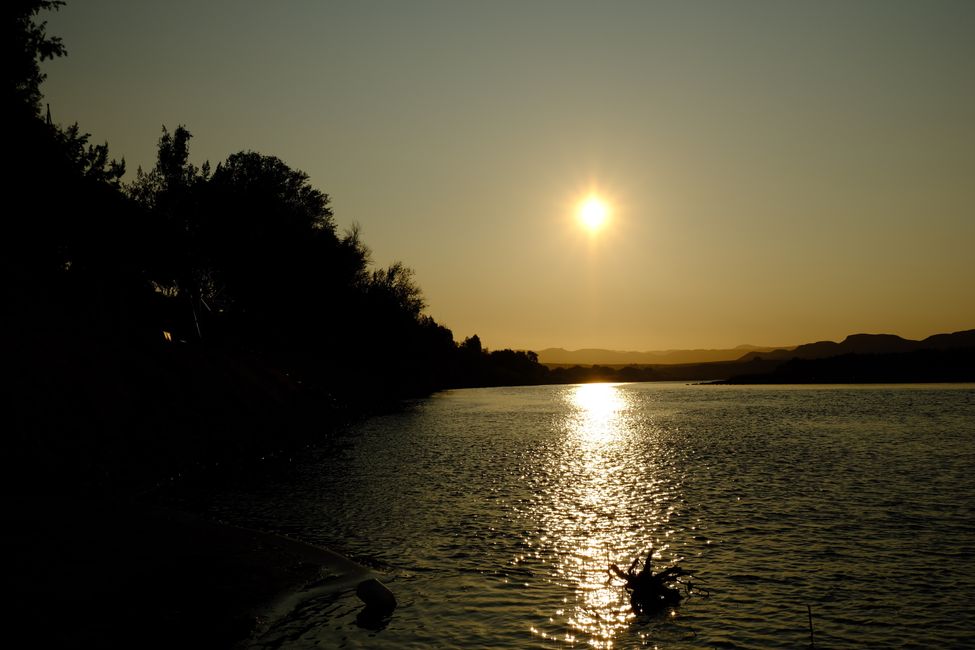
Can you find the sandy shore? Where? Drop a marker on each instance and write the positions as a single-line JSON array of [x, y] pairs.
[[97, 574]]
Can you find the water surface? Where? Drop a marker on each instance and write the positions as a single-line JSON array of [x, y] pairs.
[[495, 513]]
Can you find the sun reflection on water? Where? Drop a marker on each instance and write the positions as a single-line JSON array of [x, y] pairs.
[[598, 411], [594, 516]]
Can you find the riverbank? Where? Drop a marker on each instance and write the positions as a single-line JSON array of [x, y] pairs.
[[109, 575], [952, 365]]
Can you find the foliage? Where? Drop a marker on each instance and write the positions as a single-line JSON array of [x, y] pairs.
[[25, 45], [269, 314], [394, 286], [173, 176], [86, 160]]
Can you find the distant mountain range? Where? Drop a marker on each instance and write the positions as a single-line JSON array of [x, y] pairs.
[[594, 356], [853, 344], [865, 358], [867, 344]]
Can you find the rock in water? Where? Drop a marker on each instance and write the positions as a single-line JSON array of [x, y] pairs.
[[376, 595]]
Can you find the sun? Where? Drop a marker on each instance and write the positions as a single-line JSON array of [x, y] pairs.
[[593, 213]]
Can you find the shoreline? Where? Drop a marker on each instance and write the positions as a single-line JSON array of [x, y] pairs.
[[107, 574]]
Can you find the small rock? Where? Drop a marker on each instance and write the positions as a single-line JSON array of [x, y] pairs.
[[376, 595]]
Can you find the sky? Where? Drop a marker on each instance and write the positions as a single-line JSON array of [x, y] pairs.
[[775, 173]]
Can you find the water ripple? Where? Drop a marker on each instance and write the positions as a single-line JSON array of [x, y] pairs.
[[495, 513]]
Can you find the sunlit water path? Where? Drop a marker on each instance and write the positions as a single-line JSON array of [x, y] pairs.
[[495, 513]]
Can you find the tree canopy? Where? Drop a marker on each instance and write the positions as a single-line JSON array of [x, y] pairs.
[[25, 45], [193, 309]]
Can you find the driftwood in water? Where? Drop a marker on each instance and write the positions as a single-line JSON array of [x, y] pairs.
[[649, 591]]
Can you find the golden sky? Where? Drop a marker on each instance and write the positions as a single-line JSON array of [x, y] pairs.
[[773, 173]]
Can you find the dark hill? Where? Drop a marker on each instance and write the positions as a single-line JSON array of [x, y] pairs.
[[869, 344], [916, 366]]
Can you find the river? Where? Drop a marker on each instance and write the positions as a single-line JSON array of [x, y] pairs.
[[494, 514]]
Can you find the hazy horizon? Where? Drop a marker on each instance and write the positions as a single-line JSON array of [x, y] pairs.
[[751, 345], [772, 173]]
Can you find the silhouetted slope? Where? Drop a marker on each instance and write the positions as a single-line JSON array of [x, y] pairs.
[[926, 365], [92, 414], [963, 339], [190, 316], [868, 344]]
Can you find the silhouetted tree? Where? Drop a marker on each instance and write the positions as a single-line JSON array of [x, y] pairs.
[[471, 345], [165, 187], [170, 195], [510, 367], [55, 240], [269, 236], [295, 317], [86, 160], [25, 45], [395, 286]]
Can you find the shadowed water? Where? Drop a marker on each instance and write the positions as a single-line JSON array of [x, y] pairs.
[[495, 513]]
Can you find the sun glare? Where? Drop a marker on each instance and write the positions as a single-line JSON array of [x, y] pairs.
[[593, 213], [600, 409]]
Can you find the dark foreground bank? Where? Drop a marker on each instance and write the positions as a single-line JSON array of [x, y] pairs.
[[107, 575]]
